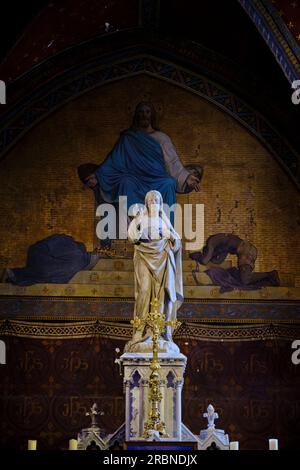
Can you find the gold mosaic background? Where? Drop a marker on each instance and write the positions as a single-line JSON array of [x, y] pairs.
[[244, 189]]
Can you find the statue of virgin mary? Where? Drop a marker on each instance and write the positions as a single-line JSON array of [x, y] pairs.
[[157, 271]]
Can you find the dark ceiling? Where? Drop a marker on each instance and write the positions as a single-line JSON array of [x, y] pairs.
[[224, 27], [15, 16], [221, 26]]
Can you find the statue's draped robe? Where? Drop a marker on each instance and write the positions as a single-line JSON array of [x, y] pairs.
[[158, 274], [138, 163]]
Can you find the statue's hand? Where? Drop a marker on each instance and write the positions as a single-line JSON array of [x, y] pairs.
[[193, 182], [176, 244]]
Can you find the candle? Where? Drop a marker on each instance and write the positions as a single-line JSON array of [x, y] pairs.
[[73, 444], [273, 444], [234, 445], [32, 445]]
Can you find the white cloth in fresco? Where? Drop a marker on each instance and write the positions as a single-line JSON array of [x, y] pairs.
[[172, 161]]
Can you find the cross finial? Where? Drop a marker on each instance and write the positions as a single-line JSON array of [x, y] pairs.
[[93, 413], [211, 416]]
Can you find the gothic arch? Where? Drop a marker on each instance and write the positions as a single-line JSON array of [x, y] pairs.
[[54, 94], [276, 34]]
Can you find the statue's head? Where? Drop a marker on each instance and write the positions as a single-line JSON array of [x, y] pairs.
[[154, 203], [86, 173], [154, 198], [144, 115]]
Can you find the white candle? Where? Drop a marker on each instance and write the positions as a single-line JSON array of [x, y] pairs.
[[32, 445], [234, 445], [273, 444], [73, 444]]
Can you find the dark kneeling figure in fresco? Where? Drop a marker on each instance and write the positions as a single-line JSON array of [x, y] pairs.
[[217, 248], [55, 259]]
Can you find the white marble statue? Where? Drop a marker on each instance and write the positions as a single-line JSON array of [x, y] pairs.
[[157, 269]]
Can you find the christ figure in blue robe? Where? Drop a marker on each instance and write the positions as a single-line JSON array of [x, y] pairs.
[[143, 159]]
